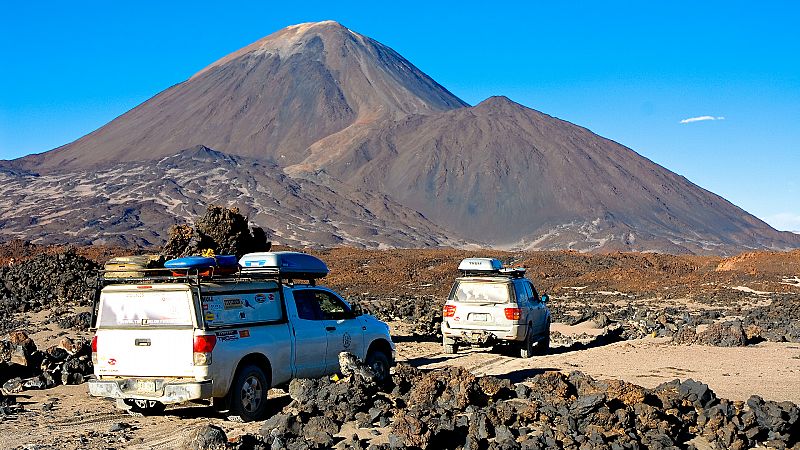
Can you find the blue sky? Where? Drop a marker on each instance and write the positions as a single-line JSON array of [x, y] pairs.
[[629, 71]]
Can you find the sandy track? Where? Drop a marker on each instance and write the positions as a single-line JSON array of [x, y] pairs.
[[769, 369]]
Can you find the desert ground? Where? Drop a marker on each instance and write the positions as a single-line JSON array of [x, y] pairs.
[[645, 319]]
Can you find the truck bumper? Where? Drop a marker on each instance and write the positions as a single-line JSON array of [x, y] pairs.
[[166, 392]]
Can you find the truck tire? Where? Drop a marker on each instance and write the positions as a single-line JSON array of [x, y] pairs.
[[379, 363], [526, 349], [450, 349], [248, 395]]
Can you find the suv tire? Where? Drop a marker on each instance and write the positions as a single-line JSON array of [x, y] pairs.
[[450, 349], [248, 396], [526, 349], [543, 347]]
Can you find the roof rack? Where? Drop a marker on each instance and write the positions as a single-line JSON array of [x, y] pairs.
[[281, 266]]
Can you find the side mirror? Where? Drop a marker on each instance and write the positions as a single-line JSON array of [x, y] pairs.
[[545, 298]]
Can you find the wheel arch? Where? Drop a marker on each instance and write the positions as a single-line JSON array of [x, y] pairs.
[[383, 346], [257, 359]]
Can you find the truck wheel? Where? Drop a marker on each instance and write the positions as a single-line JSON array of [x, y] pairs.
[[526, 348], [450, 349], [248, 395], [379, 363]]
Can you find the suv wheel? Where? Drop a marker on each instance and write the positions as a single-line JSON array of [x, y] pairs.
[[248, 395], [526, 347], [544, 344], [450, 349]]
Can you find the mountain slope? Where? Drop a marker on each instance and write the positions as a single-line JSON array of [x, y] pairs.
[[526, 179], [270, 100], [135, 203]]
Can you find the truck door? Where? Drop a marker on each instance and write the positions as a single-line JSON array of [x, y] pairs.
[[347, 334], [311, 338], [343, 330]]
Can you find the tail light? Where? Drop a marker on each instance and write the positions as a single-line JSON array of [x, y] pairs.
[[94, 349], [449, 310], [512, 313], [203, 346]]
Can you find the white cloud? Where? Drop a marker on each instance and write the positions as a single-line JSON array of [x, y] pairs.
[[702, 118], [784, 221]]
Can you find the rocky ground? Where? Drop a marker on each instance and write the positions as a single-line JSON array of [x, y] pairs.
[[628, 325]]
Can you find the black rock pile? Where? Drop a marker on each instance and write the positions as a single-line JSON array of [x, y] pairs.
[[8, 405], [777, 322], [424, 313], [23, 366], [46, 281], [453, 409], [222, 230]]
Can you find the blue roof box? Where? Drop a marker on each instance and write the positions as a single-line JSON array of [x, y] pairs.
[[286, 264]]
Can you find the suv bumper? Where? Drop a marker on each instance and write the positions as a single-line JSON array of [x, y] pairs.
[[515, 332], [165, 392]]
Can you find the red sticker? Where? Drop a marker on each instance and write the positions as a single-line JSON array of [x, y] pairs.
[[244, 333]]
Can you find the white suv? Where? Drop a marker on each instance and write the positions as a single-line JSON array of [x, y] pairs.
[[490, 304]]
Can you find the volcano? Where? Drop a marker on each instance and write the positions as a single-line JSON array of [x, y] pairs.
[[320, 106]]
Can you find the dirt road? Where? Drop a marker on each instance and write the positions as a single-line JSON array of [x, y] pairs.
[[768, 369]]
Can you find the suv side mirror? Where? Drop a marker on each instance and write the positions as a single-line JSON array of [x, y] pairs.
[[545, 298]]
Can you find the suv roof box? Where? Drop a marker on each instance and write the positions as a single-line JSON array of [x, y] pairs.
[[480, 265], [285, 264]]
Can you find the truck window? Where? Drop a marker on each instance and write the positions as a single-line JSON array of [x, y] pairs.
[[145, 308], [307, 305], [313, 304], [242, 307]]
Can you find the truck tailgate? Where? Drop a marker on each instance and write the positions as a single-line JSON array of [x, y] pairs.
[[145, 352]]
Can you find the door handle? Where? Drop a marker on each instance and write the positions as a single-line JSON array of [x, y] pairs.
[[330, 328], [142, 342]]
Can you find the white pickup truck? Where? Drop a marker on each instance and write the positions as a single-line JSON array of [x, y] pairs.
[[170, 339]]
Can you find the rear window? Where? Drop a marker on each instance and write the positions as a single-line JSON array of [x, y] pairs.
[[243, 307], [480, 292], [145, 308]]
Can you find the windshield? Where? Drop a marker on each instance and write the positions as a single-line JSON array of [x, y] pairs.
[[148, 308], [481, 292]]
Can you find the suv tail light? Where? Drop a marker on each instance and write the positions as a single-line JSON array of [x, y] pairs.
[[512, 313], [203, 346], [449, 310], [94, 349]]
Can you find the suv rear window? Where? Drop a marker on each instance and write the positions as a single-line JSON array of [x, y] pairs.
[[145, 308], [481, 292]]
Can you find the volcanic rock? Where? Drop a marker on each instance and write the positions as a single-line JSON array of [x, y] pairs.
[[206, 437]]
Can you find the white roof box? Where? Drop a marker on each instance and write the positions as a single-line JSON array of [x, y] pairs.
[[480, 265], [286, 264]]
